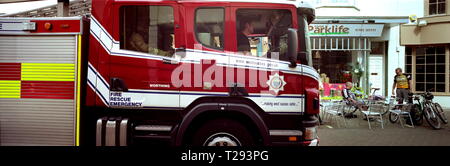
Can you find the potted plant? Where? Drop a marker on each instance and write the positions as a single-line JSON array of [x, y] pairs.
[[357, 72]]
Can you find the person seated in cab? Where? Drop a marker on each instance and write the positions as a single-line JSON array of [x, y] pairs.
[[139, 41], [246, 28]]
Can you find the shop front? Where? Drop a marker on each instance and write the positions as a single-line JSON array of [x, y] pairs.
[[341, 54], [427, 42]]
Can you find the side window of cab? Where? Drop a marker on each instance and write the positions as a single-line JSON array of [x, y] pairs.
[[147, 29], [209, 27], [263, 32]]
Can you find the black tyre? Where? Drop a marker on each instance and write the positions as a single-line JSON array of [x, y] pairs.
[[440, 113], [222, 132], [385, 110], [393, 118], [432, 118], [415, 115]]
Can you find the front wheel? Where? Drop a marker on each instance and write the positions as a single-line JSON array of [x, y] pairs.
[[222, 132], [416, 115], [432, 118], [393, 118], [440, 113]]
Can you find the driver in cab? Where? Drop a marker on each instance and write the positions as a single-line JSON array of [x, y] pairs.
[[246, 27]]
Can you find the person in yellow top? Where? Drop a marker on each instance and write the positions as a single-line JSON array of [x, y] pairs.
[[403, 84]]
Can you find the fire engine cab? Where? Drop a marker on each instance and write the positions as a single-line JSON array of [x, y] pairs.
[[147, 72]]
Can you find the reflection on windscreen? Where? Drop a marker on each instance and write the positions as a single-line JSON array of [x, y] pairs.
[[263, 32]]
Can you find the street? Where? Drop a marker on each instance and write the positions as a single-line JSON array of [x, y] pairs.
[[357, 133]]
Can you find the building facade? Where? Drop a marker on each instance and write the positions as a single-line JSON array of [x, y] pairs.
[[427, 42], [359, 41]]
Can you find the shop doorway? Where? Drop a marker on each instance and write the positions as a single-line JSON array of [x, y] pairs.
[[376, 79]]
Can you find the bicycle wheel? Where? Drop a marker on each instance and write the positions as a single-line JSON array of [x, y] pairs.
[[385, 109], [416, 115], [393, 118], [432, 118], [440, 113]]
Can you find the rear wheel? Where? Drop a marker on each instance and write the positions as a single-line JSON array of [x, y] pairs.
[[432, 118], [440, 112], [222, 132]]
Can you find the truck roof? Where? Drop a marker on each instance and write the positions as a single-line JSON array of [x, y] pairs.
[[297, 3]]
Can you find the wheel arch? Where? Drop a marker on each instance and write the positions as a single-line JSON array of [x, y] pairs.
[[204, 110]]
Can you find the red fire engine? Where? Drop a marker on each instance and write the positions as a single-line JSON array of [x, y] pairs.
[[182, 72]]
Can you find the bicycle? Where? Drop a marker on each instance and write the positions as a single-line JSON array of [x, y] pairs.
[[415, 109], [440, 113], [432, 111], [402, 110]]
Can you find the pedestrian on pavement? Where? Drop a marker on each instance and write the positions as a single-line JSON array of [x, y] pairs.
[[403, 83]]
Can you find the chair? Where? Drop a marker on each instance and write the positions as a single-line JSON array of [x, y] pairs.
[[398, 112], [375, 112], [335, 110]]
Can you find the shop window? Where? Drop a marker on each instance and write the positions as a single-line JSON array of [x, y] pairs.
[[408, 64], [408, 59], [420, 59], [334, 66], [440, 87], [420, 86], [430, 69], [377, 48], [209, 27], [440, 58], [263, 32], [440, 77], [436, 7], [408, 51], [420, 77], [148, 29], [408, 69]]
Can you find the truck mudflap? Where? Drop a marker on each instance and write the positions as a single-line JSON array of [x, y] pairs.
[[311, 125], [314, 142]]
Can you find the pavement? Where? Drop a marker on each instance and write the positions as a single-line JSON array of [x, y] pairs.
[[357, 133]]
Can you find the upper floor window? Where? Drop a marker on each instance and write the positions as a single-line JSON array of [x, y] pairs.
[[148, 29], [209, 27], [436, 7]]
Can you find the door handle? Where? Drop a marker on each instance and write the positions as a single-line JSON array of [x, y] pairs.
[[118, 84]]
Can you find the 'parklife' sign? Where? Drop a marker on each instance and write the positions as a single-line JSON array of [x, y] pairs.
[[346, 30]]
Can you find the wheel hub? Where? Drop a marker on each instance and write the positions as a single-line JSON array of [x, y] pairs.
[[222, 139]]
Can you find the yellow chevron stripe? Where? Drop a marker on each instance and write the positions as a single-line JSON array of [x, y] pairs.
[[48, 72], [9, 89]]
